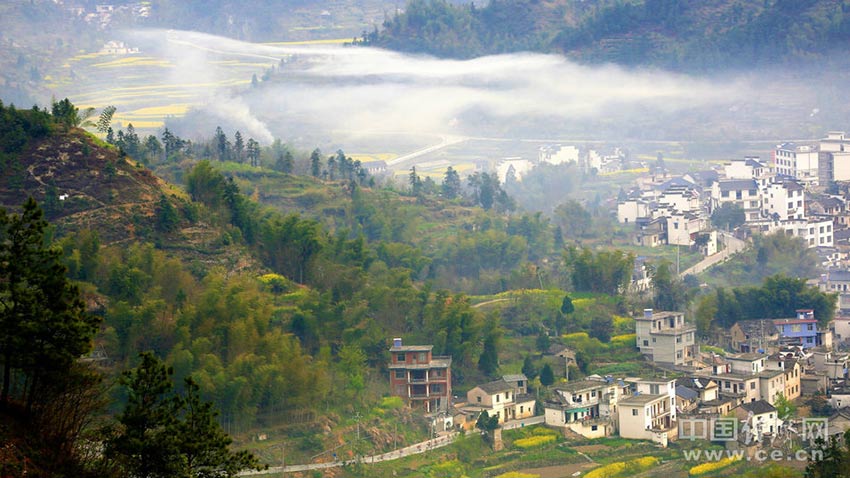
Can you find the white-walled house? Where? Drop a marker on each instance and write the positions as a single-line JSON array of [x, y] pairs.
[[664, 337], [749, 167]]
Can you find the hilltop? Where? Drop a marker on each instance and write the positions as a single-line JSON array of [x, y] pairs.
[[685, 35]]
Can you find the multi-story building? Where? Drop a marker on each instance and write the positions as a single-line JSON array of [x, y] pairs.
[[645, 416], [664, 337], [783, 200], [587, 407], [841, 328], [741, 192], [834, 157], [838, 281], [798, 161], [792, 370], [802, 330], [750, 167], [423, 380]]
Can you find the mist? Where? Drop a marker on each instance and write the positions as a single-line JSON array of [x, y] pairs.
[[333, 93]]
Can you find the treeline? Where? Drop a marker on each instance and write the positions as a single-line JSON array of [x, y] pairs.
[[675, 34], [51, 399]]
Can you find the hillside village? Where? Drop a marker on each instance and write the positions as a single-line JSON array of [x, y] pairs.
[[761, 367]]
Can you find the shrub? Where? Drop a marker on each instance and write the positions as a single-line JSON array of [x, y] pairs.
[[622, 469], [534, 441], [516, 474], [391, 403], [711, 466]]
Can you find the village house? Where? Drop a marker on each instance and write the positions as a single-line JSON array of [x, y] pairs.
[[645, 416], [753, 335], [801, 330], [760, 417], [500, 399], [664, 337], [587, 407], [423, 380], [793, 371], [833, 365], [797, 161]]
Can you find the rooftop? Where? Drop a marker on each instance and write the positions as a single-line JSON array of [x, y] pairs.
[[747, 357], [779, 322], [515, 378], [657, 315], [641, 399], [737, 184], [496, 386], [758, 407], [411, 348]]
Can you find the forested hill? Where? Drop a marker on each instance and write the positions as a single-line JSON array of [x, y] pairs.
[[680, 34]]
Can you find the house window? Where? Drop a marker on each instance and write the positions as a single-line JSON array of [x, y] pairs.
[[497, 397], [400, 358], [421, 356], [653, 340], [752, 385], [594, 427], [399, 374], [809, 327], [646, 343], [634, 412], [478, 399], [436, 388], [678, 354], [521, 409]]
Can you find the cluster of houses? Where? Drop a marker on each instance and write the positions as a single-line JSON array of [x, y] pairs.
[[103, 14], [786, 193], [774, 360]]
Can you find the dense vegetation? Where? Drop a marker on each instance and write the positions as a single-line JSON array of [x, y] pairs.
[[323, 266], [676, 34]]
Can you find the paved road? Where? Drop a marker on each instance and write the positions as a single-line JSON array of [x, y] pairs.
[[524, 422], [733, 246], [417, 448], [422, 447]]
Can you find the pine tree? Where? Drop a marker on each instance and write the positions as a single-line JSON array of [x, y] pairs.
[[44, 327], [166, 216], [316, 163], [165, 434], [547, 377], [238, 147], [528, 368]]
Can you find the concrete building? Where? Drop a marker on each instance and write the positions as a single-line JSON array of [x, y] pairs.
[[798, 161], [753, 335], [587, 407], [500, 398], [750, 167], [742, 192], [801, 330], [834, 157], [423, 380], [760, 419], [664, 337], [647, 417]]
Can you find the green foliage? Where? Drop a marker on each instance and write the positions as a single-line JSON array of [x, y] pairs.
[[167, 434], [44, 326], [606, 272], [669, 292], [547, 377], [664, 33], [770, 255], [785, 409], [167, 219], [779, 296]]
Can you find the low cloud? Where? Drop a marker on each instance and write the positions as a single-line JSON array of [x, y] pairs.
[[350, 90]]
